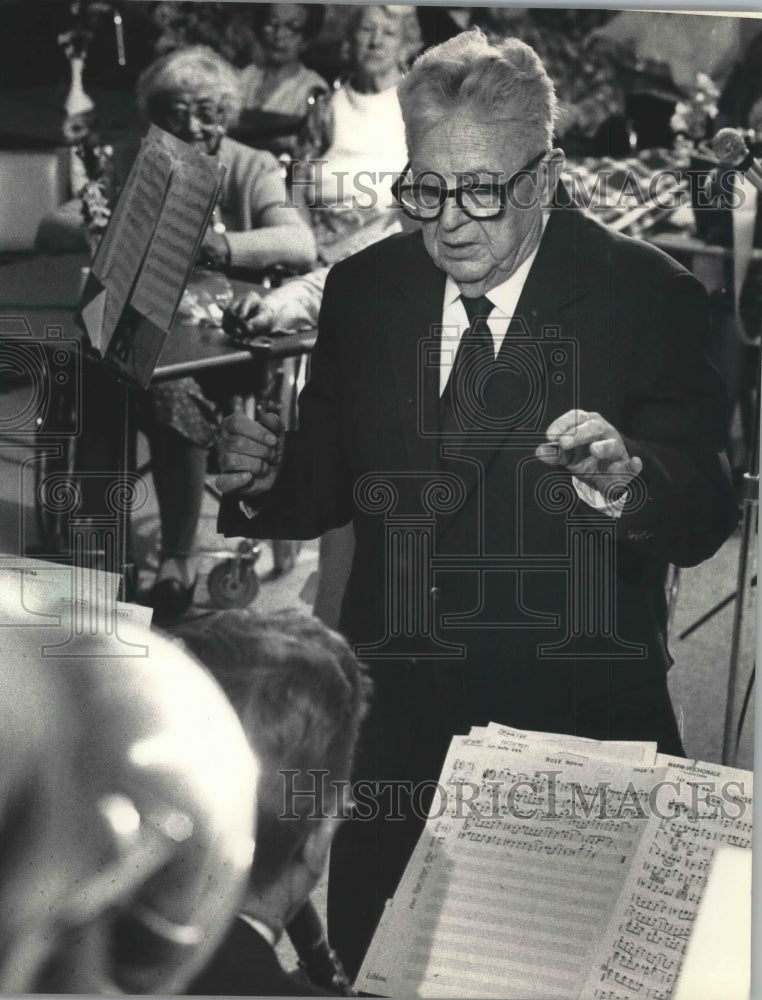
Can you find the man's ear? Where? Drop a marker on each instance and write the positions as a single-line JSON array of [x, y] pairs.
[[555, 161], [318, 843]]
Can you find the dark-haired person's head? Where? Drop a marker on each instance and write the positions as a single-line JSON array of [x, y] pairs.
[[301, 696], [284, 29]]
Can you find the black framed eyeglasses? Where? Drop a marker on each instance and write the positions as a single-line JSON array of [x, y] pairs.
[[425, 197]]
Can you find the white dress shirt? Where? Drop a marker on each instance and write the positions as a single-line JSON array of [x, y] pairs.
[[262, 929], [504, 298]]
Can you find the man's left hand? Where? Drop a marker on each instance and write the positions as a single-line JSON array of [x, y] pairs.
[[591, 449]]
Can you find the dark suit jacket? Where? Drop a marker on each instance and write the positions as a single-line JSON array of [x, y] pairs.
[[246, 965], [571, 609]]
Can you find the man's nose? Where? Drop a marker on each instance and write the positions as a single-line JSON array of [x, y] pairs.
[[452, 215]]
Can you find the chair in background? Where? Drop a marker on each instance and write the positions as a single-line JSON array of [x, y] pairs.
[[33, 182]]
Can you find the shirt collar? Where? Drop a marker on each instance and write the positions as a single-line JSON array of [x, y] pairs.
[[262, 929]]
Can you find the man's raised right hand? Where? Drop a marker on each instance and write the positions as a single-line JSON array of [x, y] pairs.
[[250, 454]]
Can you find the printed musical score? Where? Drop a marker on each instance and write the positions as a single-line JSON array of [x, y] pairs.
[[146, 255], [552, 867], [709, 806]]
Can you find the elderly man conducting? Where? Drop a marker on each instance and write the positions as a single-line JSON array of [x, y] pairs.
[[514, 408]]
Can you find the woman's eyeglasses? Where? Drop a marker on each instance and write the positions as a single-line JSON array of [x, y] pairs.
[[292, 28], [425, 197], [177, 115]]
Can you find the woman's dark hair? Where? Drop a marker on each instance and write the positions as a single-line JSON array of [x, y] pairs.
[[313, 24]]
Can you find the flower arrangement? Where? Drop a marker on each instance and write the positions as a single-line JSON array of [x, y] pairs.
[[76, 41], [693, 117], [97, 193]]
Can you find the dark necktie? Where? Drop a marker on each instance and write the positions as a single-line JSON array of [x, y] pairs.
[[462, 400]]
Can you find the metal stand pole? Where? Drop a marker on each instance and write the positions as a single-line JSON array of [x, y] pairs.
[[750, 505], [127, 467]]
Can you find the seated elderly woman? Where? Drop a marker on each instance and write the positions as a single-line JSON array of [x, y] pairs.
[[194, 94], [301, 696], [277, 80], [353, 141]]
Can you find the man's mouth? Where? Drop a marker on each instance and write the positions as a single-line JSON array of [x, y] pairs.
[[460, 249]]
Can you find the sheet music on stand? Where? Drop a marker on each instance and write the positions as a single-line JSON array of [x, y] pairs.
[[553, 867], [147, 253]]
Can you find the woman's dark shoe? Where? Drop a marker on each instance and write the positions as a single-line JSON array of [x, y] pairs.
[[170, 599]]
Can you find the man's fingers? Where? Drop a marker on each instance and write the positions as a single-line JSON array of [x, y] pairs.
[[265, 431], [237, 423], [626, 467], [585, 433], [240, 445], [230, 481], [609, 449], [549, 453], [240, 453], [567, 423], [272, 422], [584, 467]]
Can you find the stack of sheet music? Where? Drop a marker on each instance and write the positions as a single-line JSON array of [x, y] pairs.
[[147, 253], [555, 867], [66, 610]]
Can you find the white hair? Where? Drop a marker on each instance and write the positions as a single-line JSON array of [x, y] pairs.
[[405, 17], [197, 65], [501, 80]]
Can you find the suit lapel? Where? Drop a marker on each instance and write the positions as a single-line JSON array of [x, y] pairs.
[[412, 339]]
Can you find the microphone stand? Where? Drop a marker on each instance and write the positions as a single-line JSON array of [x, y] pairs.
[[750, 506]]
